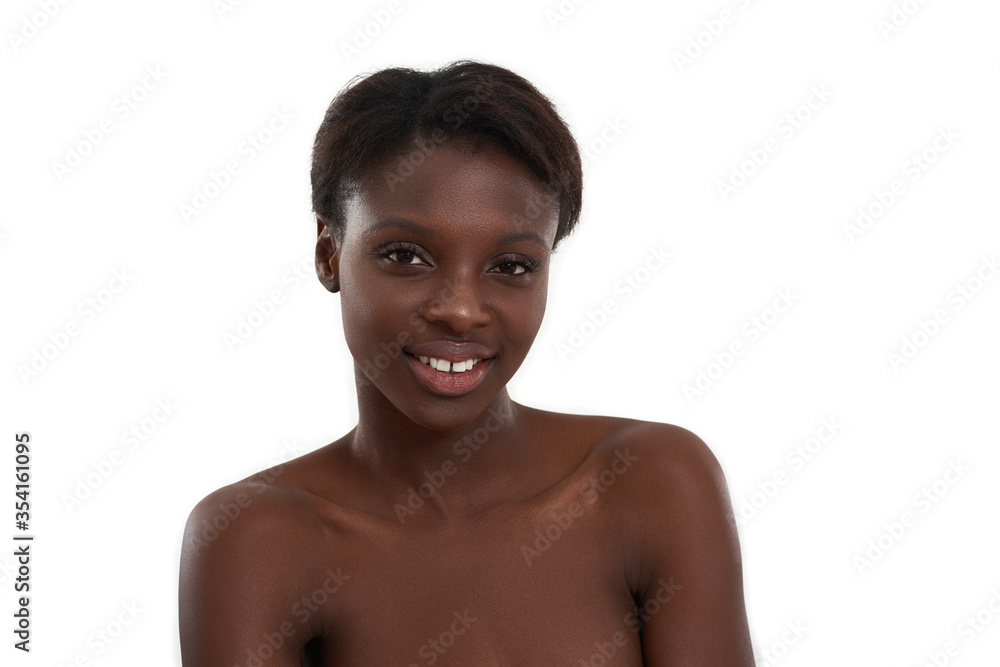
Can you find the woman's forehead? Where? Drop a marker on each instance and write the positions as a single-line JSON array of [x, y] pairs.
[[457, 186]]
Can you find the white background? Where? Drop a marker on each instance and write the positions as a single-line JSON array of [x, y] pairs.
[[684, 128]]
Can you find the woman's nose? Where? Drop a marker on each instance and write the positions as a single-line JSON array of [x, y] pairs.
[[457, 303]]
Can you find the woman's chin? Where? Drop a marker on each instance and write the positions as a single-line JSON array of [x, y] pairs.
[[455, 416]]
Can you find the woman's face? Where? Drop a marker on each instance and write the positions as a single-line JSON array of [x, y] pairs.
[[450, 262]]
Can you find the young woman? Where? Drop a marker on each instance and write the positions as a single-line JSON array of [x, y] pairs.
[[452, 525]]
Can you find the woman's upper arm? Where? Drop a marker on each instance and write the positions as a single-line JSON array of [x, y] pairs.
[[237, 587], [690, 557]]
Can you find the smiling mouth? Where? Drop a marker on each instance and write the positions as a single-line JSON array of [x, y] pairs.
[[445, 366], [446, 378]]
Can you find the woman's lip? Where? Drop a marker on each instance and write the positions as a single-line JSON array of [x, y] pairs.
[[450, 351], [449, 384]]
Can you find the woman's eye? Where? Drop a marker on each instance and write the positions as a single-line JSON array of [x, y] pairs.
[[511, 268], [405, 257]]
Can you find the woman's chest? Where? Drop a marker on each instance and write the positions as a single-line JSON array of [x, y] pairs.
[[542, 584]]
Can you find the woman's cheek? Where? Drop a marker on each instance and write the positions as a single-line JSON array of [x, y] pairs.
[[376, 322], [524, 322]]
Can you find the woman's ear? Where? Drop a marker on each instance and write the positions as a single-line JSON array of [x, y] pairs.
[[327, 267]]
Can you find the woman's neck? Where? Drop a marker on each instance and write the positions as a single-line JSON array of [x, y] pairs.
[[445, 472]]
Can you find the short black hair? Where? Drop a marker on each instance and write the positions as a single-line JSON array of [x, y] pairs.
[[381, 116]]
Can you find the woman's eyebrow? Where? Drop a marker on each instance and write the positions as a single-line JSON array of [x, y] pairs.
[[424, 230], [525, 235], [402, 223]]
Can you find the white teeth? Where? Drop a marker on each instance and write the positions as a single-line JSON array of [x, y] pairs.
[[446, 366]]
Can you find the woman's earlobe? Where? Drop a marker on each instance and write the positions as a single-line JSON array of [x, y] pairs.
[[326, 259]]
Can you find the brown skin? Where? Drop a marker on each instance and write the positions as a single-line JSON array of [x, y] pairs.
[[466, 530]]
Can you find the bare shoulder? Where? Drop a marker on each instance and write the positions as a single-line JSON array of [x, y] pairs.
[[664, 441], [237, 514], [683, 555], [675, 481], [235, 582], [662, 452], [662, 480], [244, 531], [272, 502], [671, 460], [267, 515]]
